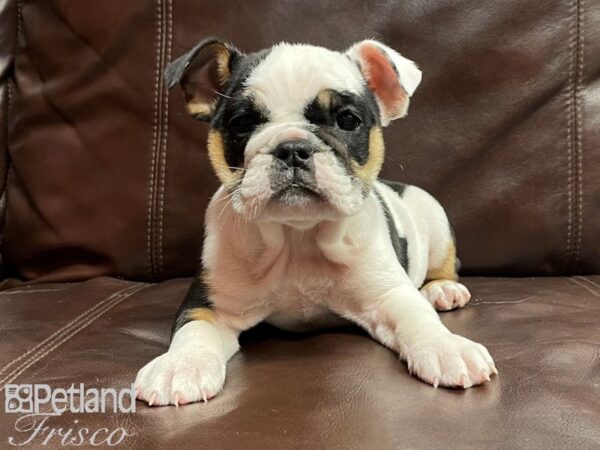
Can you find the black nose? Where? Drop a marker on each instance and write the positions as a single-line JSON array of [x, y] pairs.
[[295, 153]]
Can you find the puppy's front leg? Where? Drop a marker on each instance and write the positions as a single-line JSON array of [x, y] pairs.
[[402, 319], [193, 368]]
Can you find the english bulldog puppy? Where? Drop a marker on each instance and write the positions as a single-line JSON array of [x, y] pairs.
[[302, 233]]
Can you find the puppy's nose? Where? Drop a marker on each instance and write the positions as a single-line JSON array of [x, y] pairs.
[[294, 153]]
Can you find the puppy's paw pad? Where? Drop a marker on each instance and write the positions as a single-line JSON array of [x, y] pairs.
[[445, 295], [180, 378], [452, 361]]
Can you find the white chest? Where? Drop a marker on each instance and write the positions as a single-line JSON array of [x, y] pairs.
[[307, 283]]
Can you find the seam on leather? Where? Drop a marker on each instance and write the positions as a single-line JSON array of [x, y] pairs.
[[155, 128], [569, 142], [579, 130], [153, 219], [28, 291], [586, 279], [63, 329], [158, 151], [574, 131], [164, 144], [19, 25], [67, 332], [587, 287], [9, 112]]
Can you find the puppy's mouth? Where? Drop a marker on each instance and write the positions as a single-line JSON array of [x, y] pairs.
[[297, 182], [294, 183], [298, 192]]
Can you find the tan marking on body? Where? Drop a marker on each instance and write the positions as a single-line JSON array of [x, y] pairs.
[[198, 95], [199, 108], [447, 271], [369, 171], [324, 98], [223, 56], [216, 154], [205, 314]]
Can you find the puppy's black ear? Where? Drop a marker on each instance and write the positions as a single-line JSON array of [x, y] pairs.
[[202, 73]]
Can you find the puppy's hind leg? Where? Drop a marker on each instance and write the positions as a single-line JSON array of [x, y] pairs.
[[193, 368], [442, 288]]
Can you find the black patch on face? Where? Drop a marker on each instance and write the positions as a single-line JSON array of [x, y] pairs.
[[236, 116], [196, 297], [240, 118], [400, 244], [399, 188], [347, 144]]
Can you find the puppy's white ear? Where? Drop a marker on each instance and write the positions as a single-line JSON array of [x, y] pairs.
[[202, 73], [390, 76]]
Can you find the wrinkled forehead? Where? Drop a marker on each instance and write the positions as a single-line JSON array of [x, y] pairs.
[[291, 76]]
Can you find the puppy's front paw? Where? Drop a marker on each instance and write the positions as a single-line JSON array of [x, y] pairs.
[[450, 360], [445, 295], [177, 378]]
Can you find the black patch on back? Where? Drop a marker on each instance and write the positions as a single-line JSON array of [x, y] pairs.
[[196, 297], [399, 188], [399, 243], [345, 144]]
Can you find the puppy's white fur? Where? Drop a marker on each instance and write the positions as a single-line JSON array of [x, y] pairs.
[[293, 73], [299, 279], [315, 264]]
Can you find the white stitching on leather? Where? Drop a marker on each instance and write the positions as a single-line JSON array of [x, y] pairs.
[[593, 283], [579, 283], [155, 130], [28, 291], [578, 136], [65, 329], [165, 134], [74, 327], [574, 141], [572, 37]]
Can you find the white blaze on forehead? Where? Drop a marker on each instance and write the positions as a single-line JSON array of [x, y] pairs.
[[292, 75], [269, 136]]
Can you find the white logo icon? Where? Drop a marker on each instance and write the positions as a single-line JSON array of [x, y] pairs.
[[19, 398]]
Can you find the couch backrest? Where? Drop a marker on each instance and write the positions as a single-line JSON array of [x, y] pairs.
[[107, 174]]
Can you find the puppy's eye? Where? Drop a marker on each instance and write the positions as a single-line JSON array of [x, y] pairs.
[[347, 121], [245, 124]]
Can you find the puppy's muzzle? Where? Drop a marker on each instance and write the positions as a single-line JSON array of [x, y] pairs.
[[295, 154]]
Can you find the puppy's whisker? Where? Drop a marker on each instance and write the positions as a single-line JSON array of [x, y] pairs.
[[231, 194], [395, 162], [254, 207], [221, 213], [362, 182], [222, 95], [236, 188]]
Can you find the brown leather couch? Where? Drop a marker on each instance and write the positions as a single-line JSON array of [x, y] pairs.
[[104, 181]]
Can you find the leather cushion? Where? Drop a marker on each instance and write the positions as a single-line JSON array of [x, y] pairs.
[[109, 175], [335, 389]]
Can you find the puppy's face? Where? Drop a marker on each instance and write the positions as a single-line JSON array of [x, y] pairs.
[[296, 129]]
